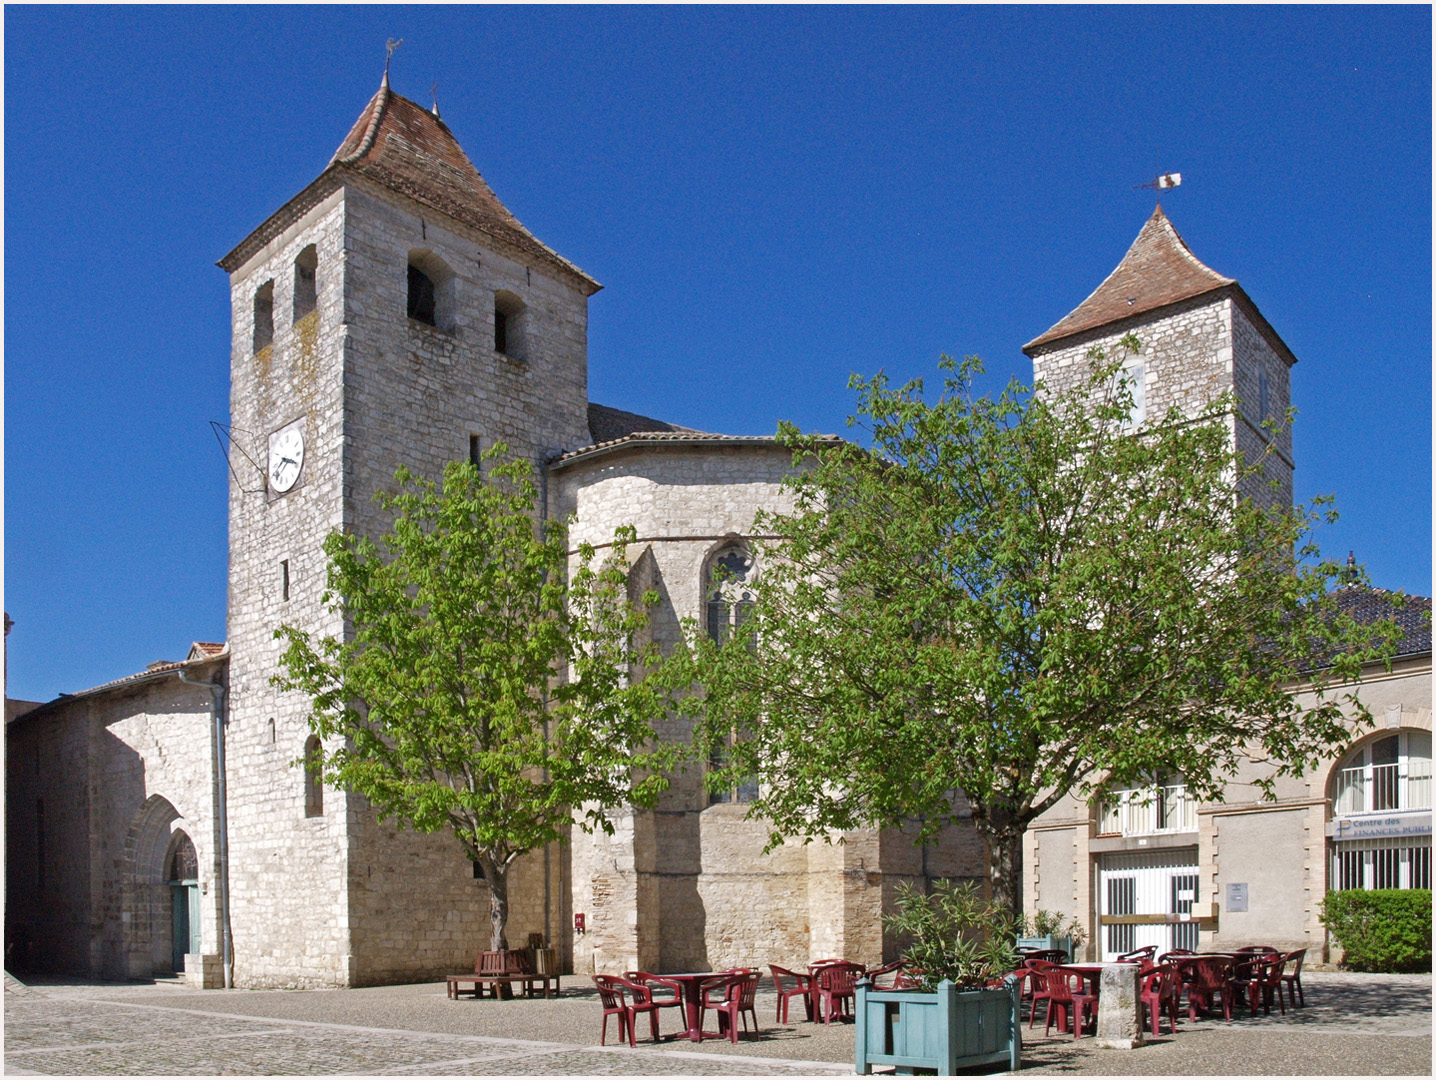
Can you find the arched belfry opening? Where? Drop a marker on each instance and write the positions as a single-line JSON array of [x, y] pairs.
[[431, 290]]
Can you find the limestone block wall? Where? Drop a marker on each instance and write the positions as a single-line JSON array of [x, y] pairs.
[[1187, 349], [1192, 352], [688, 886], [1255, 362], [48, 887], [119, 773], [414, 395], [289, 872]]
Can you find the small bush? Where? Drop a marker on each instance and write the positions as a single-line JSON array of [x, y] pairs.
[[1381, 929]]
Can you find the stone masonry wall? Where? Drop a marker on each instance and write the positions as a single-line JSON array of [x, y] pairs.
[[120, 772], [288, 871], [688, 887], [414, 395], [1193, 352]]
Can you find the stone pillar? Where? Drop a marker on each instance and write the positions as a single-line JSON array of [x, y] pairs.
[[1119, 1019]]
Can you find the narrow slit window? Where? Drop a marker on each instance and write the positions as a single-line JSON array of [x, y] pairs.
[[501, 332], [313, 780], [475, 454], [40, 843], [284, 578], [271, 731]]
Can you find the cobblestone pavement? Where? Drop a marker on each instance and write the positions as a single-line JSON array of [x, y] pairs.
[[1352, 1025]]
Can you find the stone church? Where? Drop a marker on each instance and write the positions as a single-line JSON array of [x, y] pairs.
[[395, 312]]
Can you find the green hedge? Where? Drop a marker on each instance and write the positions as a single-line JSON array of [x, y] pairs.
[[1381, 929]]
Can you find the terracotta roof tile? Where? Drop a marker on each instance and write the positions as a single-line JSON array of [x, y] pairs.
[[406, 148], [1158, 269]]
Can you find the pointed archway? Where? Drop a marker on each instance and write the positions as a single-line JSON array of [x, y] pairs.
[[159, 907]]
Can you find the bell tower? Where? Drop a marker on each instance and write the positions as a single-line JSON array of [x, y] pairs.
[[1201, 336], [394, 312]]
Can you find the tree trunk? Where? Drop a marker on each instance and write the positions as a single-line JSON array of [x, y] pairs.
[[497, 874], [1004, 846]]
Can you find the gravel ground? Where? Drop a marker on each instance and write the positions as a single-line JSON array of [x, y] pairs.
[[1352, 1025]]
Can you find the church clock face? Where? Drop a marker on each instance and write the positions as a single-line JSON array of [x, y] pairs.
[[286, 457]]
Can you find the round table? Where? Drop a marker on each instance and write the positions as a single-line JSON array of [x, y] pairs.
[[691, 983]]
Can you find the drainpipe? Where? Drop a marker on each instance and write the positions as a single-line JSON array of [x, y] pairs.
[[217, 691]]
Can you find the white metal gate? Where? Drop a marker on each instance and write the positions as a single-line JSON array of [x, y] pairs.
[[1139, 892]]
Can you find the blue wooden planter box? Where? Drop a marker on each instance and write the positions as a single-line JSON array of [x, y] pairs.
[[945, 1031], [1051, 941]]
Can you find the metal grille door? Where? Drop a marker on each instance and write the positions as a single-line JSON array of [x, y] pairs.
[[1143, 896]]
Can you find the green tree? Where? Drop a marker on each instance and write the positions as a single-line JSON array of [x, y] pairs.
[[1015, 598], [481, 684]]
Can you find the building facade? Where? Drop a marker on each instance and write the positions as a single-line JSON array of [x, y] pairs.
[[395, 313], [1150, 866]]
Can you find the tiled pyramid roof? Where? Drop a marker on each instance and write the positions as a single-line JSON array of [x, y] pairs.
[[408, 149], [1158, 269]]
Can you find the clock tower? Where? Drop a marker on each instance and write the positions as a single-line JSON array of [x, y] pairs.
[[394, 312]]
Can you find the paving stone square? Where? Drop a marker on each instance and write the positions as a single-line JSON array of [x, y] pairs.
[[1352, 1025]]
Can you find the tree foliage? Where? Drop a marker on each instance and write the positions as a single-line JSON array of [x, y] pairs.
[[480, 686], [1019, 597]]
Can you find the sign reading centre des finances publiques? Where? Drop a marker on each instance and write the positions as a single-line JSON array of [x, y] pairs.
[[1382, 826]]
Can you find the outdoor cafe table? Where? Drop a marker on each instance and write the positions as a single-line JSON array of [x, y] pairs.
[[1111, 1024], [692, 984]]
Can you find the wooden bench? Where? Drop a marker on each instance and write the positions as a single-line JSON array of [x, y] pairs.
[[500, 971]]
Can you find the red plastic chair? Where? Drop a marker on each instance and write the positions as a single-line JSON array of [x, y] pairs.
[[1037, 969], [1261, 977], [739, 992], [1205, 979], [876, 974], [1136, 956], [1292, 978], [1067, 994], [611, 993], [1161, 993], [662, 994], [802, 984], [834, 985]]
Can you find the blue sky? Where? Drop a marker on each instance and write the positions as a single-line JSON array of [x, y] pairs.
[[773, 198]]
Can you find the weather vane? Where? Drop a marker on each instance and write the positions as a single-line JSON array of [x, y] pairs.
[[1161, 183], [389, 54], [434, 91]]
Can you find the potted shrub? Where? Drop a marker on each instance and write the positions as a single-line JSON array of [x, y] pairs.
[[964, 1012], [1045, 930]]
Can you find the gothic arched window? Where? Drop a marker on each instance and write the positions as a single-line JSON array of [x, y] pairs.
[[728, 591], [728, 595]]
